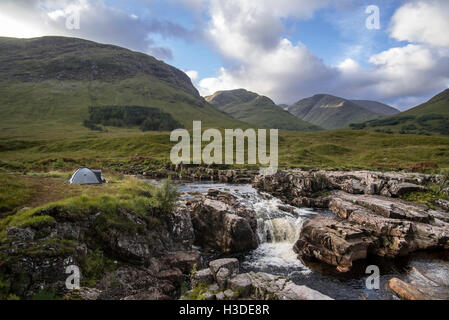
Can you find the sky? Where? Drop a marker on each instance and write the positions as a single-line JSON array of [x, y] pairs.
[[393, 51]]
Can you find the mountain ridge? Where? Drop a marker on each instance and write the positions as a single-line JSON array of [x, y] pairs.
[[330, 112], [257, 110], [51, 81]]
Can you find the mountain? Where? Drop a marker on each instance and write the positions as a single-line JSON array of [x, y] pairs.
[[49, 83], [331, 112], [376, 107], [431, 117], [257, 110]]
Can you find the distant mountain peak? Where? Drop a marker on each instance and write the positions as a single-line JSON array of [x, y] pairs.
[[256, 109], [331, 112]]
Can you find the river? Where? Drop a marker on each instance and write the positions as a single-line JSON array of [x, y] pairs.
[[279, 226]]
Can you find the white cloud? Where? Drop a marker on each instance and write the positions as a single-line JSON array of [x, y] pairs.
[[193, 75], [98, 22], [423, 22], [251, 35]]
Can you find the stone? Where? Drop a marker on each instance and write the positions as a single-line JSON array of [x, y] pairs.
[[444, 204], [336, 242], [83, 293], [183, 260], [232, 264], [221, 224], [375, 225], [220, 295], [19, 234], [405, 291], [229, 294], [208, 296], [222, 277], [292, 291], [172, 275], [241, 284], [401, 189], [202, 277]]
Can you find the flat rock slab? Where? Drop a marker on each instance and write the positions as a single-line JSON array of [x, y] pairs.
[[370, 224]]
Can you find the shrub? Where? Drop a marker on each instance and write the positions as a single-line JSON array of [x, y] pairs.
[[166, 196]]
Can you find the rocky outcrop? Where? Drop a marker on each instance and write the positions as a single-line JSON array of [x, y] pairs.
[[131, 254], [333, 242], [223, 225], [228, 284], [298, 186], [370, 218], [371, 225], [198, 173]]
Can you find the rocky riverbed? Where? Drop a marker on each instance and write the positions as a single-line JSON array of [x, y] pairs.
[[297, 234], [369, 216]]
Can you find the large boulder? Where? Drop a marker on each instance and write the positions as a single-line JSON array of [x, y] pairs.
[[223, 225], [335, 242]]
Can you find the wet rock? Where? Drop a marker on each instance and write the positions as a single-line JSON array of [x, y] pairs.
[[220, 223], [336, 242], [401, 189], [405, 290]]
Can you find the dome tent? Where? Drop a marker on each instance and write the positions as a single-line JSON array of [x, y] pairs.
[[87, 176]]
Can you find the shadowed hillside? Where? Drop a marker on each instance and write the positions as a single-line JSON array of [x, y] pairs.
[[47, 85]]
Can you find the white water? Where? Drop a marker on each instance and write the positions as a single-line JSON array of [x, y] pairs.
[[277, 229]]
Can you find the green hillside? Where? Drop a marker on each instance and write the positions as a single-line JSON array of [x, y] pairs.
[[376, 107], [330, 112], [47, 85], [431, 117], [257, 110]]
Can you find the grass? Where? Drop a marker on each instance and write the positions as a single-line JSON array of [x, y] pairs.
[[13, 193], [197, 293], [341, 149], [116, 207], [95, 265], [429, 197], [121, 194], [430, 118]]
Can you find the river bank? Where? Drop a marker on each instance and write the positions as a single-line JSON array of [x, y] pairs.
[[262, 224]]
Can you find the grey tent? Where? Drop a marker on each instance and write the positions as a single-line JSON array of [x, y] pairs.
[[87, 176]]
